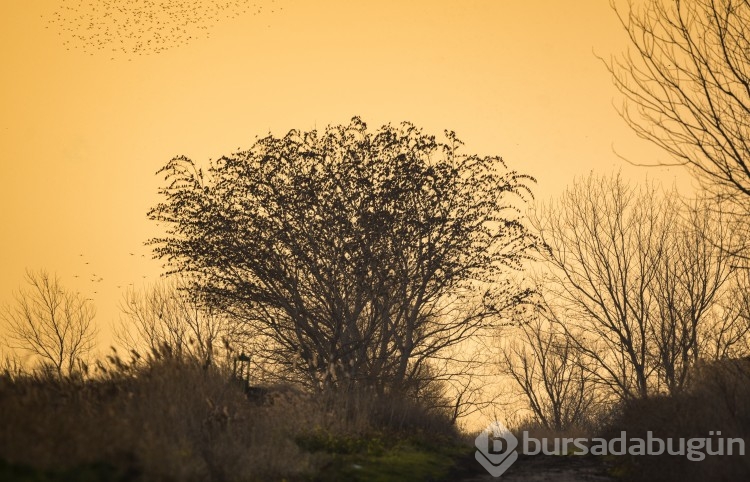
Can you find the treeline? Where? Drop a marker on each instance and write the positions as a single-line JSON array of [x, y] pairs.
[[638, 288], [644, 315]]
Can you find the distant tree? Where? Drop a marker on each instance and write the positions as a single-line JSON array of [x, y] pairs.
[[551, 374], [165, 315], [695, 274], [358, 255], [687, 86], [728, 334], [640, 278], [51, 323]]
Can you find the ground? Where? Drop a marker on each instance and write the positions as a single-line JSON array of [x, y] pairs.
[[539, 468]]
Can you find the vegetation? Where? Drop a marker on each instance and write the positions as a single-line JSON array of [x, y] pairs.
[[169, 417], [320, 289], [358, 258], [645, 321], [54, 325], [636, 282], [337, 271], [685, 84], [165, 315], [717, 399]]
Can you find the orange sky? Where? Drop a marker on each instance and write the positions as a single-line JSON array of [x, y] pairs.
[[82, 135]]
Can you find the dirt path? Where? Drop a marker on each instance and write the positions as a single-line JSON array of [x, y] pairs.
[[539, 468]]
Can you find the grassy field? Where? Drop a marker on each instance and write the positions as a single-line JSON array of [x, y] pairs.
[[173, 420]]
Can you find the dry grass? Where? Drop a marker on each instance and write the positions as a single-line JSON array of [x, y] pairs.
[[172, 420], [169, 418]]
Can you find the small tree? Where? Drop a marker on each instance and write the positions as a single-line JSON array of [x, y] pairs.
[[552, 375], [694, 274], [51, 323], [358, 255], [166, 315]]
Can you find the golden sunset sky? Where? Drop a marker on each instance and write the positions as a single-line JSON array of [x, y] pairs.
[[89, 114]]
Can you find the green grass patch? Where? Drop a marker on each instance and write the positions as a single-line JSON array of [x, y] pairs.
[[374, 459]]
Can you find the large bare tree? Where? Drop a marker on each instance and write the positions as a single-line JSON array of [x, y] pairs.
[[639, 277], [686, 84], [52, 323], [359, 255]]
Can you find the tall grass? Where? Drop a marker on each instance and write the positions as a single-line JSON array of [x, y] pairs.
[[170, 417]]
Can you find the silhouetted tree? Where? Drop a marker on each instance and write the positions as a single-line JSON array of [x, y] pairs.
[[687, 86], [551, 374], [166, 315], [639, 277], [51, 323], [358, 255], [694, 276], [728, 334]]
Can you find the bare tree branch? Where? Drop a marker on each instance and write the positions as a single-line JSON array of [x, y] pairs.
[[686, 84], [639, 278], [51, 323]]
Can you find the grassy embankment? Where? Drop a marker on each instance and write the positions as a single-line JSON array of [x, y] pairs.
[[170, 419]]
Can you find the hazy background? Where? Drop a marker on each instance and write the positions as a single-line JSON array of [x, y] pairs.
[[85, 126]]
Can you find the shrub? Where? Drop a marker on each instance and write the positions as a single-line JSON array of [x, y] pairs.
[[170, 417], [718, 399]]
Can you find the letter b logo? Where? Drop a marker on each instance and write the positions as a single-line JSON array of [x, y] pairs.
[[496, 449]]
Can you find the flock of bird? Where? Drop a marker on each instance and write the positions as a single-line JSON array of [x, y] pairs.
[[85, 272], [142, 27]]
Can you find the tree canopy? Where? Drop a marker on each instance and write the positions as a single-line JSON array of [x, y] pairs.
[[358, 255]]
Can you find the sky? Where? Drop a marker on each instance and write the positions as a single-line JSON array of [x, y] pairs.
[[97, 95]]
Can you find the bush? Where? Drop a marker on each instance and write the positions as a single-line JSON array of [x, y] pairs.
[[717, 399]]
